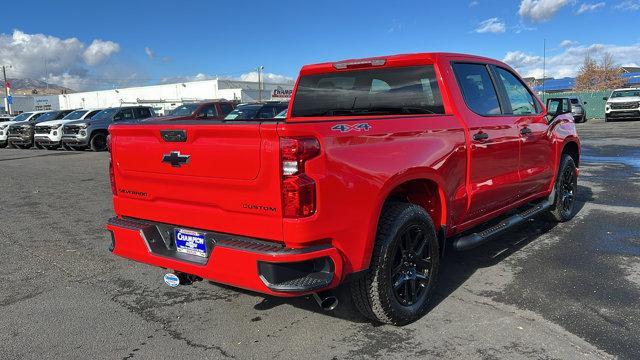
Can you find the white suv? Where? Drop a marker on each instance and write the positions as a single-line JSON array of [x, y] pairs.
[[4, 126], [48, 134], [622, 104]]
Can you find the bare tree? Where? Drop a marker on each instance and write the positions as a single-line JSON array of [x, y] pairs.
[[587, 79], [609, 73], [602, 75]]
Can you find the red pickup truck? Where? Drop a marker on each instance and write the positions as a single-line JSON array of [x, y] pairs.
[[379, 165]]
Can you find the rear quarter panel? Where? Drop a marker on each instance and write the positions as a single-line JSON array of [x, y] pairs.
[[358, 169]]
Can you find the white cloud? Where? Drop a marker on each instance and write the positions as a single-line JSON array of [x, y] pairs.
[[568, 43], [493, 25], [520, 59], [99, 50], [149, 52], [266, 77], [250, 76], [541, 10], [568, 62], [584, 7], [67, 62], [631, 5]]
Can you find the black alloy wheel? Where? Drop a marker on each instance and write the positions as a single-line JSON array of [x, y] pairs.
[[412, 266]]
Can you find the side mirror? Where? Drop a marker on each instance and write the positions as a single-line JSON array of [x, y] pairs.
[[605, 98], [117, 118], [201, 115]]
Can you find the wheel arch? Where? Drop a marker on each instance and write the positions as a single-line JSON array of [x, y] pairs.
[[572, 149], [421, 188]]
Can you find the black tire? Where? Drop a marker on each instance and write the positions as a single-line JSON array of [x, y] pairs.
[[25, 147], [566, 188], [52, 147], [4, 145], [98, 142], [398, 286], [38, 146]]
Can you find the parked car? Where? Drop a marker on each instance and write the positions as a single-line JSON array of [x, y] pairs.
[[48, 134], [622, 104], [92, 133], [5, 121], [259, 110], [21, 134], [4, 126], [578, 110], [370, 179], [209, 110]]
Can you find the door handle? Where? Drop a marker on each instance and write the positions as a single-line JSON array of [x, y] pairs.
[[480, 136], [525, 131]]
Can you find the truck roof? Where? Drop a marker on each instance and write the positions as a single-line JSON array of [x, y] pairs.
[[399, 60]]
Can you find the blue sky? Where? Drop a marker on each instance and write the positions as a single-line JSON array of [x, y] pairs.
[[87, 44]]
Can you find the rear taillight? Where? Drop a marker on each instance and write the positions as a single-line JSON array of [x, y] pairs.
[[112, 178], [298, 190], [112, 175]]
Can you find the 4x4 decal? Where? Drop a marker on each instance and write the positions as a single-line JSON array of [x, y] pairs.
[[347, 127]]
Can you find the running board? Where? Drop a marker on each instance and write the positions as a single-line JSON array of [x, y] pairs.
[[476, 239]]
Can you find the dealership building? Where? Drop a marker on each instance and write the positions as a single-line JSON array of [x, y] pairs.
[[161, 97]]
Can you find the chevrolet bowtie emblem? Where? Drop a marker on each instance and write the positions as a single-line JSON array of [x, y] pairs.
[[175, 159]]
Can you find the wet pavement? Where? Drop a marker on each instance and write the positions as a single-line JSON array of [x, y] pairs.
[[549, 291]]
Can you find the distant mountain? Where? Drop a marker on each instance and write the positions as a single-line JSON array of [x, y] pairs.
[[36, 87]]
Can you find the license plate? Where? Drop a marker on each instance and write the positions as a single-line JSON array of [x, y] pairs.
[[191, 242]]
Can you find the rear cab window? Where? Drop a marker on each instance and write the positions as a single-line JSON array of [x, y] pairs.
[[374, 91]]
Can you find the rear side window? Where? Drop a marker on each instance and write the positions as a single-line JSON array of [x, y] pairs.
[[477, 88], [125, 114], [226, 108], [209, 111], [521, 101], [383, 91], [141, 113], [267, 112]]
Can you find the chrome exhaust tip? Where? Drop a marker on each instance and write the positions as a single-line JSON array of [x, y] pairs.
[[327, 301]]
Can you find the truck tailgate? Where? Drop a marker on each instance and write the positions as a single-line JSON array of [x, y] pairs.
[[223, 177]]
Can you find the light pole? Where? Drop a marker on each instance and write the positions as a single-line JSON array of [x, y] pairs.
[[6, 90], [260, 68]]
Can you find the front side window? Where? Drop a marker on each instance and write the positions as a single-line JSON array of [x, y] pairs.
[[477, 88], [378, 91], [522, 102], [91, 114]]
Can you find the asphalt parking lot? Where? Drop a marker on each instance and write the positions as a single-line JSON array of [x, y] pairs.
[[545, 291]]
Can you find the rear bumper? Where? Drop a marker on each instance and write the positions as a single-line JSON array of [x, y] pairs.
[[246, 263]]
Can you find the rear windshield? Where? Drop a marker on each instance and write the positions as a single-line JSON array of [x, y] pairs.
[[386, 91]]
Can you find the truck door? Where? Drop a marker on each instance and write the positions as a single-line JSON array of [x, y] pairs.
[[495, 140], [536, 158]]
